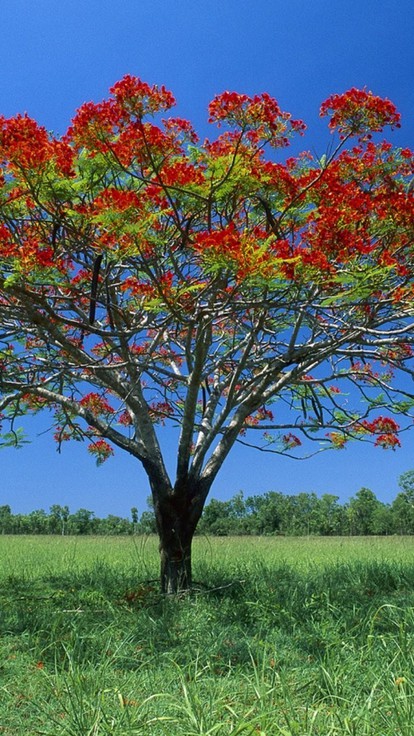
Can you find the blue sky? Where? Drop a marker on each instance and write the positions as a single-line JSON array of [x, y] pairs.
[[55, 56]]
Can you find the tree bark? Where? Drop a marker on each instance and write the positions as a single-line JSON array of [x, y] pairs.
[[177, 516], [176, 575]]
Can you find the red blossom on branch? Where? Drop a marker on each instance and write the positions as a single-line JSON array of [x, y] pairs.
[[259, 116], [159, 411], [359, 113], [23, 142], [96, 404], [137, 97], [101, 450], [290, 441], [387, 441]]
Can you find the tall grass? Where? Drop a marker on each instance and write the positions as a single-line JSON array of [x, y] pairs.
[[287, 637]]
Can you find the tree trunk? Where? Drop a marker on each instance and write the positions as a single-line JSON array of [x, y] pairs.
[[177, 519], [175, 568]]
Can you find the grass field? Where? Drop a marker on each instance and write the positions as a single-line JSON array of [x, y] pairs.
[[282, 636]]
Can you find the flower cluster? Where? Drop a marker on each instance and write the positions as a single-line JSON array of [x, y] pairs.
[[159, 411], [101, 450], [249, 254], [181, 129], [137, 97], [96, 404], [30, 250], [116, 123], [338, 440], [260, 116], [261, 415], [386, 430], [290, 441], [225, 242], [359, 113], [181, 174], [23, 142], [117, 199], [26, 145]]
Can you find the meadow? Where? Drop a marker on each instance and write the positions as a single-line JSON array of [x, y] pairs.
[[281, 637]]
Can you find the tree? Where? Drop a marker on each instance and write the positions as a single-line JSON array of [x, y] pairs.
[[329, 517], [382, 521], [5, 519], [58, 518], [37, 522], [134, 517], [147, 280], [406, 483], [81, 522], [147, 523], [402, 513], [217, 518], [402, 508], [113, 525], [364, 508], [267, 512]]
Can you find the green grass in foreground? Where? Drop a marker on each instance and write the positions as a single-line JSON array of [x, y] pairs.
[[281, 637]]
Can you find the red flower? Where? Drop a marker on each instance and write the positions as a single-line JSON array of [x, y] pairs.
[[387, 441], [223, 242], [358, 112], [22, 140], [64, 156], [181, 173], [93, 124], [96, 404], [290, 441], [260, 117], [138, 97], [101, 449], [117, 199], [159, 411]]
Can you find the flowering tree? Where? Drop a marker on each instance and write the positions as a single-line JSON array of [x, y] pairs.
[[149, 280]]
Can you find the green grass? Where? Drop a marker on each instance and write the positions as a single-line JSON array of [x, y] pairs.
[[292, 637]]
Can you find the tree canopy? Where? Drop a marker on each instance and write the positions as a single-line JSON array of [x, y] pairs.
[[148, 279]]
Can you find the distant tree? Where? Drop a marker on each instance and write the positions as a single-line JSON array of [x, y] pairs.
[[364, 508], [382, 520], [406, 483], [58, 519], [113, 524], [146, 279], [329, 516], [237, 506], [5, 519], [303, 513], [266, 512], [402, 508], [402, 511], [37, 522], [148, 523], [81, 522], [216, 518], [134, 517]]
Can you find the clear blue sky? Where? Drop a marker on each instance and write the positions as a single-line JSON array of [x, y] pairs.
[[57, 55]]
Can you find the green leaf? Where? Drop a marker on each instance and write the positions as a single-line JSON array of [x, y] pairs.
[[15, 438]]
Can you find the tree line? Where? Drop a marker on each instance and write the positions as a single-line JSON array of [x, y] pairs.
[[271, 513], [60, 520]]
